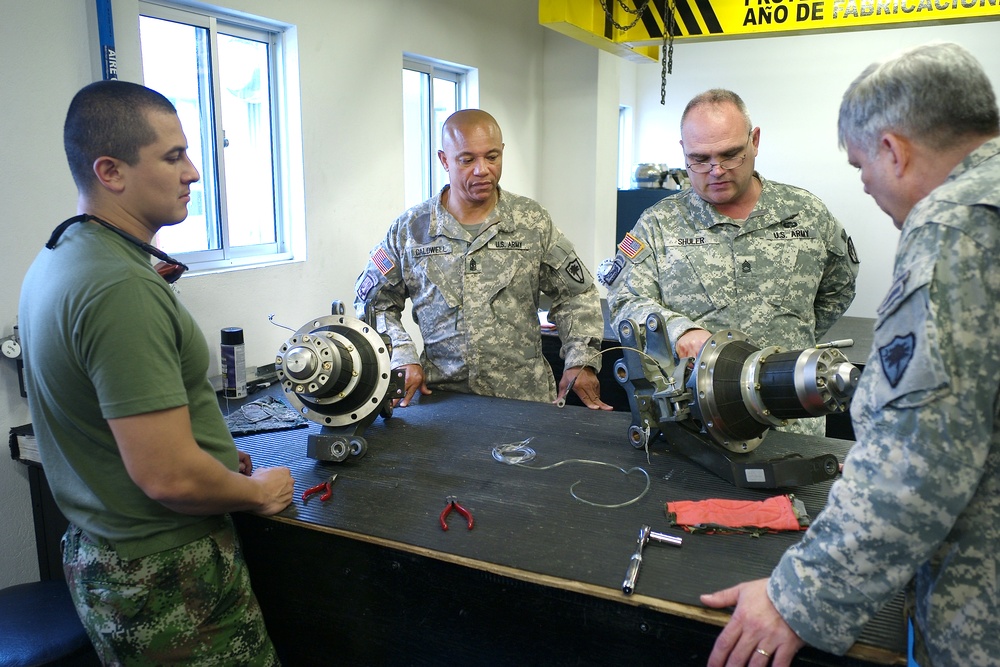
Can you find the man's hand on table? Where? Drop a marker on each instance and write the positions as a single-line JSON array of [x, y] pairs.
[[586, 386], [414, 382], [756, 634]]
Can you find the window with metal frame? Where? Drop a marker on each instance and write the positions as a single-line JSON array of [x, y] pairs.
[[225, 76], [432, 91], [625, 140]]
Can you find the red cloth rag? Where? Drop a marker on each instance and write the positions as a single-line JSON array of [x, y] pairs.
[[723, 515]]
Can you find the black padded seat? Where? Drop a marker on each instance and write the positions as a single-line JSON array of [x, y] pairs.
[[39, 626]]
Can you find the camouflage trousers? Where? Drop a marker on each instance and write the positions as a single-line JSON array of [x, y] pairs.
[[186, 606]]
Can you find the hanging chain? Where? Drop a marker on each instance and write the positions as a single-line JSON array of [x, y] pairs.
[[667, 52], [610, 13]]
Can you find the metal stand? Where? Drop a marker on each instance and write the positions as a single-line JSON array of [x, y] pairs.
[[763, 468]]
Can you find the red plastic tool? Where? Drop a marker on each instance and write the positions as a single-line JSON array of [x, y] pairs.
[[454, 505], [326, 487]]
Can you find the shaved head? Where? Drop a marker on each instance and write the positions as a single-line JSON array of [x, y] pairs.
[[462, 122], [472, 154]]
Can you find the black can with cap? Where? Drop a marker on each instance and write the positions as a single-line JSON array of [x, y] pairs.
[[234, 365]]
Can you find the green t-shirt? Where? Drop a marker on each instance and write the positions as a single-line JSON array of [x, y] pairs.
[[105, 337]]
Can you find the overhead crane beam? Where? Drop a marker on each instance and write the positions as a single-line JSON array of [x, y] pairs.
[[701, 20]]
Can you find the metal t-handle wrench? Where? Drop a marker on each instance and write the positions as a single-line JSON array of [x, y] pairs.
[[645, 535]]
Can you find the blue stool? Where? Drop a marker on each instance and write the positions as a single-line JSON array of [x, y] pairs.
[[39, 626]]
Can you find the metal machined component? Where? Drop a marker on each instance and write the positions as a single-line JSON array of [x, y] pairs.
[[729, 396], [719, 403], [742, 390], [645, 535], [335, 371], [819, 381]]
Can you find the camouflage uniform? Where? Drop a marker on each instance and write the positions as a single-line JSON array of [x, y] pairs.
[[920, 493], [782, 277], [171, 607], [475, 298], [106, 338]]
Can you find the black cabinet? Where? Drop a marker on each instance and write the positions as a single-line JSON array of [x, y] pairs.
[[50, 524], [631, 204]]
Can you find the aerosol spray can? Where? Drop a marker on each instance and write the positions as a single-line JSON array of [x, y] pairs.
[[234, 365]]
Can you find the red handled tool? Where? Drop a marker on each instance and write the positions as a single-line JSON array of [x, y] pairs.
[[453, 505], [326, 487]]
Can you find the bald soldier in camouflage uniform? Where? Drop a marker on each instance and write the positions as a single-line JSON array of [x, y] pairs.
[[474, 260], [734, 251], [919, 500]]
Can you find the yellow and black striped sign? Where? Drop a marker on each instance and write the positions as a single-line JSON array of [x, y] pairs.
[[712, 19]]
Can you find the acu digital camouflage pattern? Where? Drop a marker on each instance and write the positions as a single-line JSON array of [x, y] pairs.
[[783, 277], [476, 298], [920, 493], [191, 605]]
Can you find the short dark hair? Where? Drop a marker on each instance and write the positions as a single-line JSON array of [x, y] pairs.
[[109, 118]]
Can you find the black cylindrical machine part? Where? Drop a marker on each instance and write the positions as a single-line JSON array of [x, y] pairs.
[[777, 386], [730, 413]]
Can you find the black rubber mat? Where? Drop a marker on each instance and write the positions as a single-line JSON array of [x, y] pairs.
[[528, 520]]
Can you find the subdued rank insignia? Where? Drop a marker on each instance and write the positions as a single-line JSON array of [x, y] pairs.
[[472, 266], [366, 286], [896, 356], [631, 246], [895, 294], [575, 270], [746, 266]]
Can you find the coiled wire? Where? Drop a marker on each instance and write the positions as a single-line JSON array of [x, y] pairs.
[[519, 453]]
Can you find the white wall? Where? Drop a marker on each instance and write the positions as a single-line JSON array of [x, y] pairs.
[[555, 99], [792, 87], [579, 148], [350, 58]]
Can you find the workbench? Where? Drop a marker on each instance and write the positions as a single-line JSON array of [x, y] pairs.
[[370, 578]]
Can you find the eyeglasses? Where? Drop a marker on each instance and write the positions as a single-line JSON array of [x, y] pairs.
[[727, 164], [169, 268]]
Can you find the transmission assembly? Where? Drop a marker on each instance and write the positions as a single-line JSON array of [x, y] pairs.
[[335, 371], [717, 408]]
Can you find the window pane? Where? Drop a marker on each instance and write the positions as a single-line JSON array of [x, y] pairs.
[[246, 123], [445, 104], [175, 63], [416, 143], [625, 169]]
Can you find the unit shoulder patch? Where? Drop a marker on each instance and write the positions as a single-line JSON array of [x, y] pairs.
[[575, 271], [609, 270], [365, 286], [895, 356]]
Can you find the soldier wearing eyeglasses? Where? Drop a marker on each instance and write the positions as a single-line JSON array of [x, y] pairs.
[[733, 251]]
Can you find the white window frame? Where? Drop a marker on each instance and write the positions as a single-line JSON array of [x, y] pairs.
[[285, 103], [625, 142], [466, 81]]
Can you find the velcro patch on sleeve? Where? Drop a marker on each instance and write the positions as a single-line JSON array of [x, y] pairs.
[[631, 246], [382, 261]]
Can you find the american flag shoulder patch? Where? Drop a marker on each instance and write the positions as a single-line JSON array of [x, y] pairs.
[[382, 261], [631, 246]]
